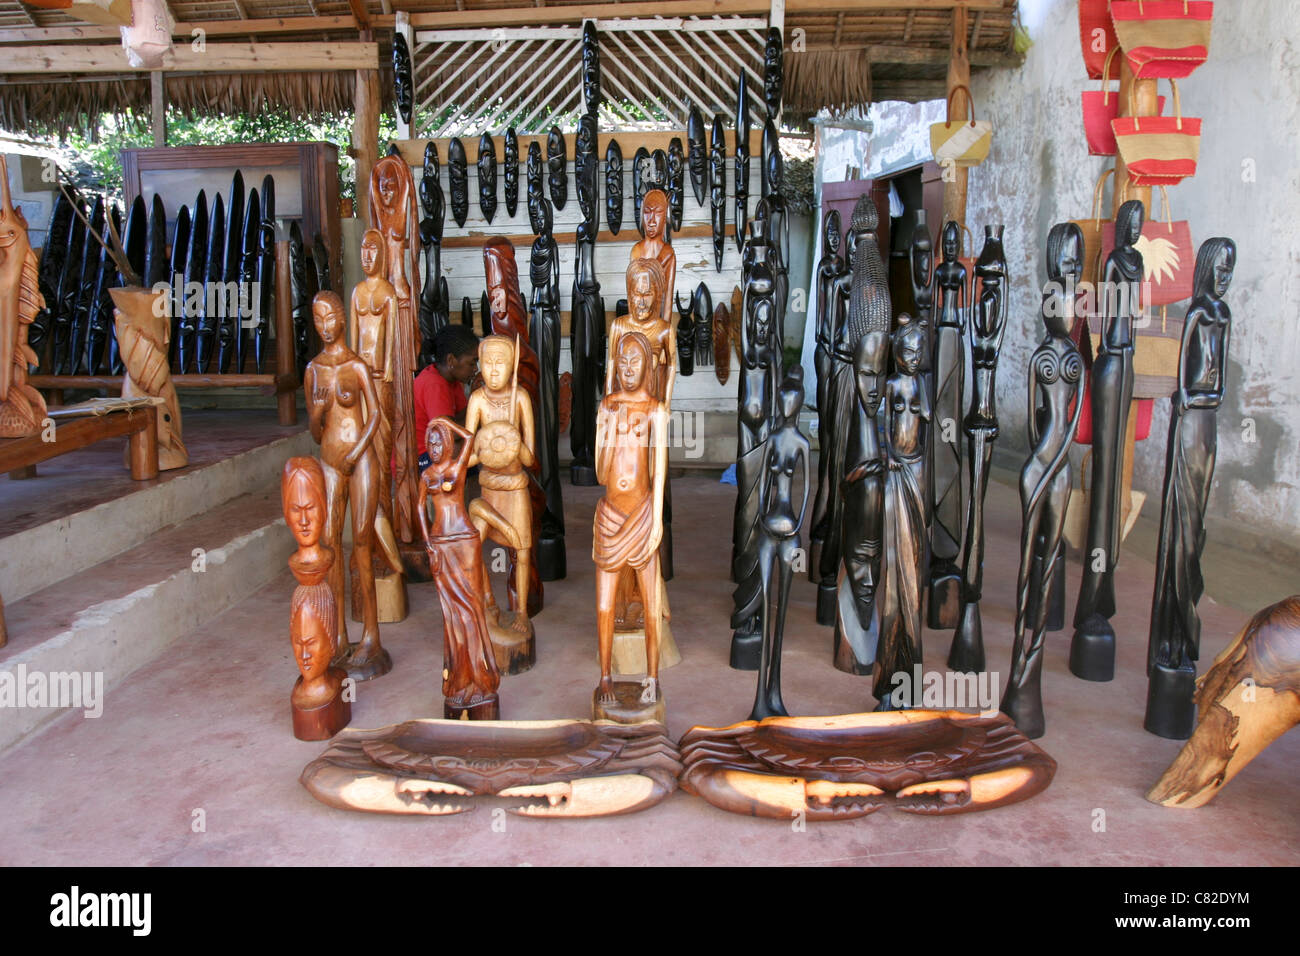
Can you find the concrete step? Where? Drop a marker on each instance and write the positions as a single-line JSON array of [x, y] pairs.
[[121, 613], [38, 557]]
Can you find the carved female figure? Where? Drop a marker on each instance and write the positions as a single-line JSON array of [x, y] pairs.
[[374, 326], [343, 411], [319, 708], [1092, 649], [1055, 382], [949, 371], [785, 451], [987, 327], [392, 209], [470, 678], [829, 317], [655, 245], [1175, 638], [632, 462], [907, 413], [544, 271]]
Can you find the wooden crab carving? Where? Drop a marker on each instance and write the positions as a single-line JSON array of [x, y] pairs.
[[850, 765], [546, 768]]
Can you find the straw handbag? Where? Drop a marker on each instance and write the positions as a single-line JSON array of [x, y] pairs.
[[1092, 233], [1168, 258], [1158, 150], [1163, 39], [1101, 108], [961, 143], [1097, 35]]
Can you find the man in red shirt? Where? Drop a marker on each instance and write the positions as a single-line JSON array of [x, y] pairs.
[[440, 388]]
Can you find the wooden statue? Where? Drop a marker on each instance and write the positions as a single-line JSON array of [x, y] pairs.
[[787, 452], [906, 416], [591, 97], [586, 167], [500, 417], [685, 337], [458, 180], [988, 324], [68, 286], [98, 353], [1055, 388], [773, 73], [676, 181], [697, 159], [344, 413], [403, 83], [510, 171], [948, 370], [22, 409], [548, 769], [718, 189], [640, 184], [180, 248], [1175, 637], [393, 213], [373, 339], [722, 343], [702, 313], [862, 523], [632, 463], [143, 321], [227, 319], [319, 706], [586, 351], [830, 268], [614, 186], [557, 160], [435, 302], [533, 172], [929, 762], [742, 161], [470, 678], [505, 314], [487, 177], [1092, 649], [1249, 697], [544, 272]]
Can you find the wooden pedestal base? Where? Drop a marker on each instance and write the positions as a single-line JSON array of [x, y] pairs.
[[1092, 650], [551, 564], [487, 709], [377, 666], [390, 597], [826, 600], [322, 723], [415, 561], [515, 652], [627, 706], [629, 650]]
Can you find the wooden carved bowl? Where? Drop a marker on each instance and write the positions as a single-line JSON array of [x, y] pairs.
[[497, 445]]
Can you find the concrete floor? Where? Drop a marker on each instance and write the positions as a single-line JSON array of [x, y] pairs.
[[205, 727]]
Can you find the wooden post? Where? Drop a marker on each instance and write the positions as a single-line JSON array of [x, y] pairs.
[[159, 108], [402, 25], [955, 177], [365, 136], [286, 362], [1144, 104]]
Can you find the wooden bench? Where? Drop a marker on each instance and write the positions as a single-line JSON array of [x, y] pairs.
[[139, 425]]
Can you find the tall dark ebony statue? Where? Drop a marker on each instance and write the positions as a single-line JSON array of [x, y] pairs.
[[458, 181], [831, 274], [535, 187], [591, 97], [1055, 384], [52, 266], [435, 304], [510, 171], [685, 337], [557, 159], [614, 186], [586, 346], [773, 73], [920, 254], [697, 153], [586, 168], [265, 275], [180, 250], [195, 272], [786, 454], [718, 189], [676, 181], [1092, 650], [487, 177], [300, 298], [544, 273], [742, 161], [906, 414], [1175, 639], [948, 372], [988, 324], [227, 319], [65, 290], [778, 227], [868, 310], [249, 260], [209, 315], [702, 312], [760, 371], [403, 86]]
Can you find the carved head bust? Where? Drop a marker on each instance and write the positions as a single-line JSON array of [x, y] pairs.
[[496, 360], [645, 289], [831, 232], [328, 315], [302, 495], [909, 343], [654, 213], [632, 362], [372, 253], [869, 357], [951, 241], [1064, 268], [313, 629], [1215, 262]]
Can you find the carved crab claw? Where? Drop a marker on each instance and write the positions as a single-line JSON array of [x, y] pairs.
[[588, 796], [421, 796], [955, 795], [832, 800], [783, 797]]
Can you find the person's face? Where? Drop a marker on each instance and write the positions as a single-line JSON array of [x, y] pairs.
[[1223, 267], [312, 647], [652, 216], [329, 320], [496, 366], [369, 256], [461, 368], [303, 512], [433, 443], [641, 297], [631, 368]]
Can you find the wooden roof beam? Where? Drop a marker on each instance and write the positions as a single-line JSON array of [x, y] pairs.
[[217, 58], [360, 15]]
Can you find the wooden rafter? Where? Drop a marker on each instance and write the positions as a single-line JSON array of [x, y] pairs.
[[216, 58]]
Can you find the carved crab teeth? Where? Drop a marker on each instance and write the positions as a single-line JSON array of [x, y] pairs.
[[420, 787], [826, 792], [556, 794]]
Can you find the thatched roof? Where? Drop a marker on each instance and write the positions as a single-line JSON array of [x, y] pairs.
[[853, 55]]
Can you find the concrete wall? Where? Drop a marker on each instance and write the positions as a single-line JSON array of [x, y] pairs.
[[1039, 173]]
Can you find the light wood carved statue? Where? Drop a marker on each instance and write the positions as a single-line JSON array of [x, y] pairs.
[[500, 417], [318, 703], [470, 677], [143, 322], [373, 332], [21, 407], [631, 462], [343, 412], [1249, 697], [393, 213]]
